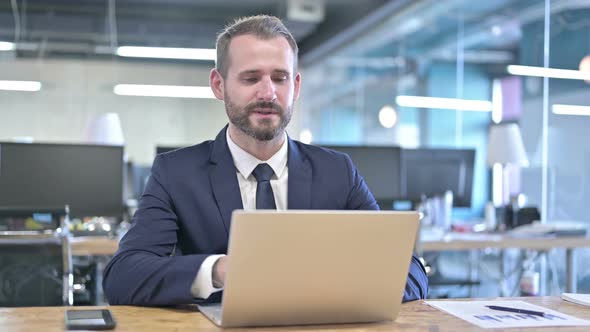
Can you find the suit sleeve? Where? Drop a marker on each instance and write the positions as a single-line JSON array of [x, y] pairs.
[[148, 269], [360, 198]]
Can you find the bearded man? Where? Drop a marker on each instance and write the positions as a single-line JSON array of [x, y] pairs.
[[175, 251]]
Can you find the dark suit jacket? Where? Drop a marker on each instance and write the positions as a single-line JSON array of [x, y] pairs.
[[184, 216]]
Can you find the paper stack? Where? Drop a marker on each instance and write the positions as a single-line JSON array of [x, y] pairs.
[[582, 299]]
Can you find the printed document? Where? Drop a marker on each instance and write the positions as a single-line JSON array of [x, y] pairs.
[[477, 313], [582, 299]]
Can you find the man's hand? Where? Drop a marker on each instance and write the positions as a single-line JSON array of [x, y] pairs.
[[219, 272]]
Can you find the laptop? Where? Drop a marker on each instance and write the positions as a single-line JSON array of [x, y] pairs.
[[301, 267]]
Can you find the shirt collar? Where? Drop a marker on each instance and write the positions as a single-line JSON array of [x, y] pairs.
[[245, 162]]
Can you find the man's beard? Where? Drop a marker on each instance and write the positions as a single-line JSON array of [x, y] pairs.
[[264, 130]]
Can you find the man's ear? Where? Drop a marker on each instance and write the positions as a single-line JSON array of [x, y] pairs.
[[216, 82], [297, 86]]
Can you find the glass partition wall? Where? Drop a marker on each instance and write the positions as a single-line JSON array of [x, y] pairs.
[[445, 75]]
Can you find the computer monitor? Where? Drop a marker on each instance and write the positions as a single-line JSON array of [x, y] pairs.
[[88, 178], [431, 172], [137, 177], [380, 167]]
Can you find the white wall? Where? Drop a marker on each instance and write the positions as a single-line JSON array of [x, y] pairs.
[[76, 90]]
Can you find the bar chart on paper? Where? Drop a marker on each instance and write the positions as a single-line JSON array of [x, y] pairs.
[[479, 313]]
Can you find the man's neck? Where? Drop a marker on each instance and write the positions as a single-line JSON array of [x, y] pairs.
[[262, 150]]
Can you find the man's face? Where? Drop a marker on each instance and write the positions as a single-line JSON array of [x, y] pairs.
[[260, 89]]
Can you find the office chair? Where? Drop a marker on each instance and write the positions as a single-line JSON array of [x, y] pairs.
[[35, 265]]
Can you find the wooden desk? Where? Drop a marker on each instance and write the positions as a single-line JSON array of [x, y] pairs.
[[497, 241], [100, 245], [97, 245], [414, 316], [482, 241], [93, 246]]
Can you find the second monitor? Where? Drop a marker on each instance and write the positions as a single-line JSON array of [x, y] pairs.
[[431, 172], [380, 167], [398, 175]]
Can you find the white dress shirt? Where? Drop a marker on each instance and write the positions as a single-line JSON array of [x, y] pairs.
[[245, 164]]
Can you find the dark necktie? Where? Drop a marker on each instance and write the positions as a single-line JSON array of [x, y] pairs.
[[265, 199]]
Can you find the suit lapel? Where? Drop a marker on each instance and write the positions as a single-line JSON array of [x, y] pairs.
[[299, 183], [224, 182]]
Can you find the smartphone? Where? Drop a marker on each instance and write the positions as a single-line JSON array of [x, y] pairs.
[[95, 319]]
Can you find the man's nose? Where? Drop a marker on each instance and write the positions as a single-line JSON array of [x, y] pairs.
[[266, 90]]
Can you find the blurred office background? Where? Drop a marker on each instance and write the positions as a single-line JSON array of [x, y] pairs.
[[507, 131]]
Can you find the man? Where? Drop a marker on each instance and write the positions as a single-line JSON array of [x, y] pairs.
[[174, 253]]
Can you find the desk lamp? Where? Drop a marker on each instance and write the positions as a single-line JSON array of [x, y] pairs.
[[105, 129], [505, 147]]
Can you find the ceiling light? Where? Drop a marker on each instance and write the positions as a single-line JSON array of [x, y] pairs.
[[496, 30], [548, 72], [585, 66], [175, 91], [306, 136], [20, 85], [167, 53], [6, 46], [444, 103], [570, 109], [387, 116]]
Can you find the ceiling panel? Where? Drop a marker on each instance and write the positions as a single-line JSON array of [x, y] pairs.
[[90, 24]]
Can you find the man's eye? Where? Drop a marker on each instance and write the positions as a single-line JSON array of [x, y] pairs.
[[250, 79], [280, 78]]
